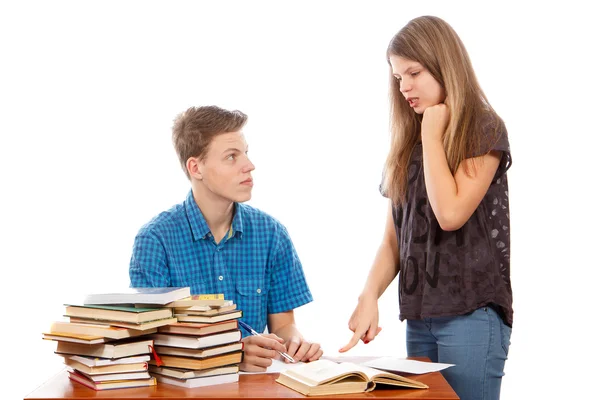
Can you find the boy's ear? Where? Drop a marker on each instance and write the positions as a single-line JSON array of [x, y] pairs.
[[193, 166]]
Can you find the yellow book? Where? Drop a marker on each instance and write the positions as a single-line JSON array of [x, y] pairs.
[[119, 349], [324, 377], [128, 383], [211, 318], [106, 331], [75, 338], [207, 310], [200, 363], [144, 326], [199, 300], [106, 369], [194, 373]]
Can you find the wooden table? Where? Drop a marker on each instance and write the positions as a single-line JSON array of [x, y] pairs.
[[250, 386]]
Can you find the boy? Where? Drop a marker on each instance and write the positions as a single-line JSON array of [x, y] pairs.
[[214, 244]]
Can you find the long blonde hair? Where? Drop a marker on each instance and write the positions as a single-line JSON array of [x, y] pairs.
[[433, 43]]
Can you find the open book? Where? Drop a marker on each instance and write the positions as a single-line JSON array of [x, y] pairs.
[[324, 377]]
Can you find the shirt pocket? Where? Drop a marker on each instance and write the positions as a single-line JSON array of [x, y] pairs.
[[192, 277], [252, 298]]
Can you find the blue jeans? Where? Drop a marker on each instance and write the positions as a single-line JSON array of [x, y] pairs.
[[477, 343]]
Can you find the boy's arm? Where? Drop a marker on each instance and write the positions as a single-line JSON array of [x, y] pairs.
[[148, 265], [284, 326], [288, 291]]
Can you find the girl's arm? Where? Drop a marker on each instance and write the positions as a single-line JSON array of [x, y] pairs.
[[453, 198], [387, 262], [364, 321]]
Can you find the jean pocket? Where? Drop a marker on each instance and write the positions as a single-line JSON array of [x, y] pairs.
[[505, 332]]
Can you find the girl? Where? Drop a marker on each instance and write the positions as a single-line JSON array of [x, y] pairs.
[[447, 230]]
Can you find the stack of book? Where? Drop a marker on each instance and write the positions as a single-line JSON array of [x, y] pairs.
[[205, 308], [106, 342], [110, 365], [205, 351]]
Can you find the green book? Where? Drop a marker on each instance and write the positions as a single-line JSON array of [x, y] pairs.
[[117, 313]]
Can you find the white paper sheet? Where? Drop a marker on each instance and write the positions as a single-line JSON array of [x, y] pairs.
[[275, 368], [407, 366], [384, 363], [351, 359]]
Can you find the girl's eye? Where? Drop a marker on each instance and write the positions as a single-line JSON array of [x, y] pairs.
[[415, 73]]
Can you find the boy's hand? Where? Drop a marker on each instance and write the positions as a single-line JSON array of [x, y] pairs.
[[259, 352], [303, 350]]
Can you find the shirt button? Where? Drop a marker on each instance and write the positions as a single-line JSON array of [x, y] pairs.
[[257, 290], [221, 277]]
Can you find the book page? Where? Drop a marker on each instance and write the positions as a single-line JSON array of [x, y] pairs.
[[325, 371], [367, 371]]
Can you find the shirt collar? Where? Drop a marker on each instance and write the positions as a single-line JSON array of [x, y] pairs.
[[195, 218], [198, 224], [237, 225]]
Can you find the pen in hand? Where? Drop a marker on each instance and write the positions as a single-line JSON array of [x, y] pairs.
[[252, 331]]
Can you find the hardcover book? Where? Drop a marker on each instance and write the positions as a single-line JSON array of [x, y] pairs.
[[203, 300], [196, 342], [133, 315], [99, 362], [200, 363], [200, 353], [198, 329], [324, 377], [181, 373], [106, 331], [198, 382], [107, 350], [143, 326], [161, 295], [75, 338], [110, 384], [211, 318], [107, 369]]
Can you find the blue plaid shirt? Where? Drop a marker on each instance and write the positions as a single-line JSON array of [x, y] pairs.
[[255, 264]]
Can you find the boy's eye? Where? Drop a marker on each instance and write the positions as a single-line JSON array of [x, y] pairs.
[[231, 157]]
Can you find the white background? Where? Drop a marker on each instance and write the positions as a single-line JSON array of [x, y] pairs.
[[88, 92]]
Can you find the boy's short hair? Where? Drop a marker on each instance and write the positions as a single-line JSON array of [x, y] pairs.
[[194, 129]]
